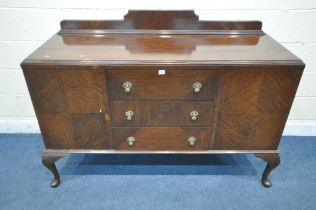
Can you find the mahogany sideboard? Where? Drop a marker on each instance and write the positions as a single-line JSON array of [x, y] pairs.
[[162, 82]]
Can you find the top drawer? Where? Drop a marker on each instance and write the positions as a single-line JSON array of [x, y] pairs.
[[166, 84]]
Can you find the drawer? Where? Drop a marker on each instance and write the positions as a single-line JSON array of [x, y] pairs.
[[161, 138], [162, 113], [173, 85]]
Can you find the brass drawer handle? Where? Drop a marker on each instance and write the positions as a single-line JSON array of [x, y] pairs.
[[197, 87], [194, 114], [129, 114], [127, 86], [192, 140], [131, 140]]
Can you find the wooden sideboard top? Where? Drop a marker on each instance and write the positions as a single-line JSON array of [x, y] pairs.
[[161, 37]]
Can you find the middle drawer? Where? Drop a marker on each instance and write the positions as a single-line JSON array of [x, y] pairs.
[[161, 113]]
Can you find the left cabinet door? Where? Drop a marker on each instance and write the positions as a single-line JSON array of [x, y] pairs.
[[71, 105]]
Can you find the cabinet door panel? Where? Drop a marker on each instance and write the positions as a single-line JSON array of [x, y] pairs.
[[67, 102]]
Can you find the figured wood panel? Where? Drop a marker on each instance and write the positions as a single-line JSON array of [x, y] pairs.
[[56, 130], [84, 90], [46, 90], [71, 106], [72, 89], [73, 131], [176, 84], [161, 138], [254, 106], [89, 131]]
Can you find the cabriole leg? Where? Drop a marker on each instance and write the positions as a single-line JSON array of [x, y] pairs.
[[48, 160], [273, 160]]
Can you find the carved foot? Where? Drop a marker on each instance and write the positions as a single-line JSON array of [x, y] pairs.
[[48, 160], [273, 160]]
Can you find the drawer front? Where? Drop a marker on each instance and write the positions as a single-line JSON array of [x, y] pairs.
[[162, 113], [161, 138], [151, 85]]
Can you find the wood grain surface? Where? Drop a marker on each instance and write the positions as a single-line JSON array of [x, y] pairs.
[[161, 138], [175, 84], [162, 113]]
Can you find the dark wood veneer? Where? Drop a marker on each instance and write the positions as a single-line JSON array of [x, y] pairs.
[[176, 84], [162, 113], [162, 138], [76, 79], [70, 112], [160, 20]]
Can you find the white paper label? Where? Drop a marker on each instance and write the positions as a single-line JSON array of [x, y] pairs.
[[161, 72]]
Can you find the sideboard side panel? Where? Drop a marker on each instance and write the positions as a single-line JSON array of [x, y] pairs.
[[254, 106]]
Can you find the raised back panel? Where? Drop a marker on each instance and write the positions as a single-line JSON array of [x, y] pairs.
[[162, 20], [159, 20]]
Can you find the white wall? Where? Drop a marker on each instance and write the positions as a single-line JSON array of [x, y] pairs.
[[26, 24]]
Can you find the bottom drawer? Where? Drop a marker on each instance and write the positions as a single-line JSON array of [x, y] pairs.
[[162, 138]]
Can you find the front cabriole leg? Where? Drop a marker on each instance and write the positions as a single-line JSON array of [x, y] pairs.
[[48, 160], [273, 160]]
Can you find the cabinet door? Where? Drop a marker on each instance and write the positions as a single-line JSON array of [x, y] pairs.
[[70, 104], [254, 105]]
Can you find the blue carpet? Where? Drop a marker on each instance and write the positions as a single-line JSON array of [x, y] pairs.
[[156, 181]]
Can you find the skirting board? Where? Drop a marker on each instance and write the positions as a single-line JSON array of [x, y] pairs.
[[292, 128]]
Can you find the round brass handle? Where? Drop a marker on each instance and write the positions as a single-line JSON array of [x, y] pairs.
[[194, 114], [131, 140], [197, 87], [127, 86], [129, 114], [192, 140]]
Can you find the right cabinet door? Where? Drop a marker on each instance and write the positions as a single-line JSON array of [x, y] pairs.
[[254, 106]]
